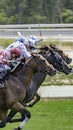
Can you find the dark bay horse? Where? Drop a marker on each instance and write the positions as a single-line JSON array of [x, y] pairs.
[[12, 96], [65, 57], [56, 60]]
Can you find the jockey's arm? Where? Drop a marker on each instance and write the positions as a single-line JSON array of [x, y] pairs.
[[24, 52], [7, 61]]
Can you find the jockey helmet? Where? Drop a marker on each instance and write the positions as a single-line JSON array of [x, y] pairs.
[[23, 40], [16, 51], [33, 40], [33, 37]]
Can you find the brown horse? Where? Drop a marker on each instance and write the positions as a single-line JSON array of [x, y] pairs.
[[56, 60], [12, 96]]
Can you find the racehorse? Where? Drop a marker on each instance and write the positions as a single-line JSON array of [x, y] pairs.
[[12, 95], [39, 77], [36, 82], [65, 57], [57, 61]]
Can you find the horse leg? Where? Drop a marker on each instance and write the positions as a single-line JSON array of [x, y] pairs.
[[11, 115], [26, 114], [33, 102], [8, 118], [4, 118]]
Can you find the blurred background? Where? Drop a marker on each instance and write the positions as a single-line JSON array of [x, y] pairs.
[[36, 11], [52, 20]]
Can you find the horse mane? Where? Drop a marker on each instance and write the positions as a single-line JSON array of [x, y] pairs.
[[44, 47], [55, 48]]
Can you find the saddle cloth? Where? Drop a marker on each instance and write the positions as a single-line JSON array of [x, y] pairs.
[[4, 74]]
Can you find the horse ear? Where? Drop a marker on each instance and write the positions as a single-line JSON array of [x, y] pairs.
[[55, 48], [44, 48], [51, 50], [33, 54], [52, 46]]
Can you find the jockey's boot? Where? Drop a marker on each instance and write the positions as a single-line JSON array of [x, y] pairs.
[[3, 73], [2, 85]]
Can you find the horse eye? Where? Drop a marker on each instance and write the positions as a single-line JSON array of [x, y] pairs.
[[43, 60], [61, 51]]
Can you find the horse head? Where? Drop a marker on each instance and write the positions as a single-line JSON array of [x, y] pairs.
[[65, 57], [42, 65], [55, 59]]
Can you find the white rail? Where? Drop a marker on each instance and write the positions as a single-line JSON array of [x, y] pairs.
[[60, 32], [50, 92], [21, 26]]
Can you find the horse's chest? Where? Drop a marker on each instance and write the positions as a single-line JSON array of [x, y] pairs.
[[21, 93]]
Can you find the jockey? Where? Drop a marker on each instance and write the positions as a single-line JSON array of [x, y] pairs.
[[30, 42], [15, 53], [5, 60], [4, 56], [9, 56], [25, 45], [21, 44], [33, 41]]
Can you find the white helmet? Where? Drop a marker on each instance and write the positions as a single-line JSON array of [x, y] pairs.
[[33, 40], [23, 40]]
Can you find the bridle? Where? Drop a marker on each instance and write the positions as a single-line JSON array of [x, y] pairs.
[[37, 60]]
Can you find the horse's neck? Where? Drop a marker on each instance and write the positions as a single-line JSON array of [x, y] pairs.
[[36, 81], [26, 74]]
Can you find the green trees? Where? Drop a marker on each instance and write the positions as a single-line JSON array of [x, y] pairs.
[[36, 11]]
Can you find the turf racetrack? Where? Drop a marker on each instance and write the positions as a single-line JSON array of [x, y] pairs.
[[49, 115]]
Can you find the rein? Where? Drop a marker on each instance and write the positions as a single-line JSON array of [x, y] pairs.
[[34, 69]]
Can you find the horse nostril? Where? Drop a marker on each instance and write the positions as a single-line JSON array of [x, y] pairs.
[[70, 60], [71, 69], [55, 71]]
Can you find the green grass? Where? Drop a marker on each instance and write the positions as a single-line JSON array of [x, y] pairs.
[[49, 115], [65, 43], [6, 42], [58, 79]]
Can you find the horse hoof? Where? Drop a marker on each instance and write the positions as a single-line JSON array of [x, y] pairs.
[[2, 125], [17, 128]]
